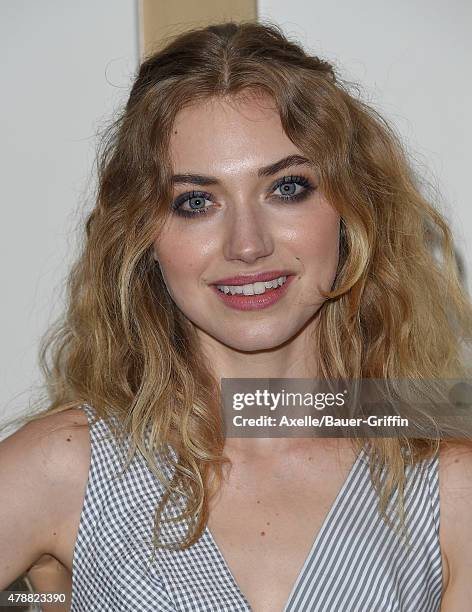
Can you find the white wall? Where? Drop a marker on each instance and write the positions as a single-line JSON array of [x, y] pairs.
[[413, 58], [65, 67]]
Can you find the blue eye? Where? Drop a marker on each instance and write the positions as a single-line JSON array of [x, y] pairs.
[[196, 201], [291, 188], [288, 188]]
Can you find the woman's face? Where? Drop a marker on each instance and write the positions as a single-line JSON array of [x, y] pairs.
[[243, 212]]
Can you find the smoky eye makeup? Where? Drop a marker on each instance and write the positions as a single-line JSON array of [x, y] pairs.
[[198, 198], [293, 188], [288, 187]]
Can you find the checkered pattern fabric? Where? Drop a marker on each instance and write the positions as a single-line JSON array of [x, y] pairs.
[[356, 563]]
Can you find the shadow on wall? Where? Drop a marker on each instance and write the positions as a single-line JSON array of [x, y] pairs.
[[462, 269]]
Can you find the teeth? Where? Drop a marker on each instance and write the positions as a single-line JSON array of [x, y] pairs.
[[253, 288]]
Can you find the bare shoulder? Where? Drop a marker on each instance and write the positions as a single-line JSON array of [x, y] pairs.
[[455, 478], [55, 447], [63, 443], [43, 477]]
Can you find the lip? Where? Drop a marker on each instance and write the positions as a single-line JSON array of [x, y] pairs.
[[244, 279], [254, 302]]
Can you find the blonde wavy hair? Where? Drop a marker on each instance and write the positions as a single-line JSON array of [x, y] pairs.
[[396, 310]]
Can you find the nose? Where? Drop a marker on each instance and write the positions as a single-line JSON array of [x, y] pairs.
[[248, 236]]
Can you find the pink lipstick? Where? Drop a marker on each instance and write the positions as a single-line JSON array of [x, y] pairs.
[[256, 301]]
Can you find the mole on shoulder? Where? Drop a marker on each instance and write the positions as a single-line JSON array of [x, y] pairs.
[[258, 502], [267, 523], [262, 532], [68, 439]]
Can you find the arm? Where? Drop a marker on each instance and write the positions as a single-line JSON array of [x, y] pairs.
[[43, 473], [48, 575], [456, 526]]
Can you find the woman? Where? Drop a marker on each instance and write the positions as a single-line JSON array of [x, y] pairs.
[[239, 155]]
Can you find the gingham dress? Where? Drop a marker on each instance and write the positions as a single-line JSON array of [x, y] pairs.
[[356, 563]]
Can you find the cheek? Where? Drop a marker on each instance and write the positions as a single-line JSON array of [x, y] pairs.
[[179, 265], [320, 236], [319, 251], [184, 254]]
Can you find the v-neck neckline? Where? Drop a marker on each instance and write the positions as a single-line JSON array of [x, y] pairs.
[[313, 549]]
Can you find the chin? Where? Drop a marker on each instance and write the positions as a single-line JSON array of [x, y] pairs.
[[247, 342]]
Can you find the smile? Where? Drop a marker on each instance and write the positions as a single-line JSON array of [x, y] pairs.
[[253, 288], [253, 296]]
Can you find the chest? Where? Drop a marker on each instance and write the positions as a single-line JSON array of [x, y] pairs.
[[265, 521], [354, 560]]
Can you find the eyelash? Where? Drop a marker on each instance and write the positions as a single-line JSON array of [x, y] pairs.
[[308, 188]]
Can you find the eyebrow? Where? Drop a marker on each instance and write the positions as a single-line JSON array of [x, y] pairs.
[[286, 162]]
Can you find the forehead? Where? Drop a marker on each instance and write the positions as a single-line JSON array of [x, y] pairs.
[[228, 134]]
